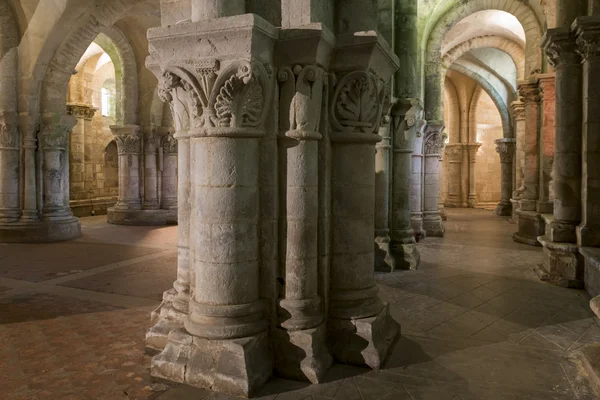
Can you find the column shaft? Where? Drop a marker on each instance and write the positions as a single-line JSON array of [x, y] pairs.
[[169, 196], [151, 172], [433, 148], [10, 207], [545, 203], [454, 155], [505, 149]]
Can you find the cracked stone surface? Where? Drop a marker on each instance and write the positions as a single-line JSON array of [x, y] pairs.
[[476, 323]]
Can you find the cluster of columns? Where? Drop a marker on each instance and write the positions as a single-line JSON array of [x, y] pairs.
[[462, 189], [572, 234], [147, 176], [276, 209]]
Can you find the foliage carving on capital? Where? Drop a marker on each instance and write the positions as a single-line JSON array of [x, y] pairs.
[[588, 45], [54, 136], [81, 111], [300, 98], [454, 153], [506, 151], [530, 93], [472, 150], [435, 141], [357, 103], [150, 143], [128, 143], [169, 144], [9, 136], [561, 50]]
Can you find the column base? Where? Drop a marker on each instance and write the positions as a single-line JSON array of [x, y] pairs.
[[302, 355], [406, 255], [591, 278], [531, 226], [40, 231], [141, 217], [433, 226], [239, 367], [164, 319], [416, 222], [515, 207], [363, 341], [383, 258], [563, 265], [88, 207], [504, 209], [443, 214], [590, 358]]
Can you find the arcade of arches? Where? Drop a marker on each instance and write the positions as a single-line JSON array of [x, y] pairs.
[[338, 171]]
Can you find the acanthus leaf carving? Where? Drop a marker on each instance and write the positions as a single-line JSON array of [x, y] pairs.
[[357, 103], [506, 151], [128, 143]]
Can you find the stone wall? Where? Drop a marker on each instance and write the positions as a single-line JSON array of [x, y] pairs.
[[487, 168]]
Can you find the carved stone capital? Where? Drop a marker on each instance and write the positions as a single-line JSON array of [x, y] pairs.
[[81, 111], [9, 136], [518, 108], [54, 134], [472, 149], [529, 92], [561, 48], [506, 150], [434, 138], [151, 142], [587, 31], [454, 152], [169, 144], [128, 139]]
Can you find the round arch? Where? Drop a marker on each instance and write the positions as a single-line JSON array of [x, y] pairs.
[[9, 53], [440, 25]]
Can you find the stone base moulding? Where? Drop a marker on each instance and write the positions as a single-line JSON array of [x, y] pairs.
[[433, 224], [406, 255], [85, 208], [166, 318], [504, 209], [591, 256], [363, 341], [384, 261], [563, 265], [142, 217], [237, 366], [531, 226], [40, 231]]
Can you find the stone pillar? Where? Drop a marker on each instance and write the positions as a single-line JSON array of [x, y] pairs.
[[416, 188], [224, 344], [472, 149], [83, 114], [168, 198], [545, 202], [360, 327], [506, 150], [433, 148], [151, 166], [406, 124], [383, 258], [588, 40], [519, 160], [10, 206], [454, 155], [128, 141], [531, 225], [28, 129], [563, 265], [301, 318], [441, 207]]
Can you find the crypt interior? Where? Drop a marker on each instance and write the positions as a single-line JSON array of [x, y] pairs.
[[300, 199]]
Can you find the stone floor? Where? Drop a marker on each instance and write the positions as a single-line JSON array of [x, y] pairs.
[[476, 322]]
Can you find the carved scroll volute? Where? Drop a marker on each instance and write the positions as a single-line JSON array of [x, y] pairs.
[[356, 105], [301, 97]]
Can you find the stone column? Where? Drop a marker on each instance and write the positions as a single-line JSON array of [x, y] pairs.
[[10, 206], [506, 150], [545, 202], [588, 40], [168, 199], [151, 166], [54, 144], [83, 114], [301, 320], [360, 327], [531, 225], [128, 139], [433, 148], [31, 209], [472, 149], [383, 259], [519, 160], [416, 189], [454, 155], [224, 97], [407, 122], [563, 265], [441, 207]]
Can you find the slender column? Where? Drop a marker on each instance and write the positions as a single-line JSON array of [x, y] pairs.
[[54, 143], [300, 314], [519, 160], [223, 98], [454, 155], [10, 207], [434, 146], [563, 265], [472, 149], [416, 188], [506, 150], [83, 113], [30, 181], [128, 140], [588, 40], [545, 202], [406, 124], [383, 259], [441, 207], [531, 224], [168, 199], [151, 164]]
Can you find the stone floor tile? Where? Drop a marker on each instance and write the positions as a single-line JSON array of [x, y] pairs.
[[466, 300]]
